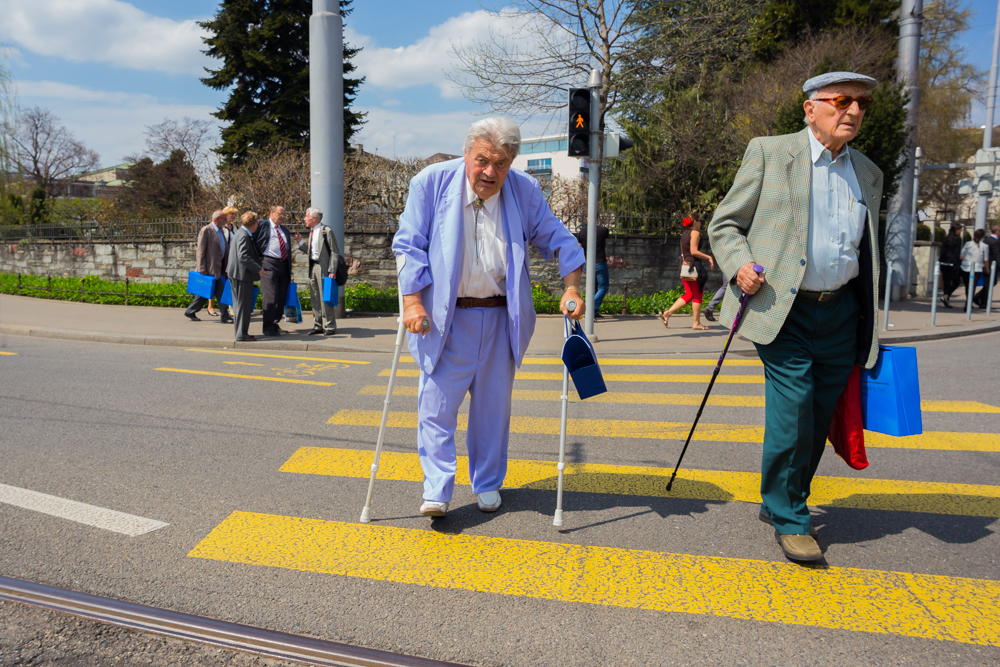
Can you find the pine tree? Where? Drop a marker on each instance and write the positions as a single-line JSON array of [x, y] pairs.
[[264, 49]]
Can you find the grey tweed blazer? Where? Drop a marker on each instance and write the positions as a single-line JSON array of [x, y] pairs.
[[765, 219]]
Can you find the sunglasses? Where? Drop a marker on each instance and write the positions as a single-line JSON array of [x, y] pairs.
[[843, 102]]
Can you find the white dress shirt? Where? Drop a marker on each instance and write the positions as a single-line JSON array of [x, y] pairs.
[[315, 241], [973, 255], [273, 247], [837, 220], [484, 252]]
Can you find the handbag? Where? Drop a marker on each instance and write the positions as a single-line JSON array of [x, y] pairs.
[[689, 272], [581, 362], [847, 430]]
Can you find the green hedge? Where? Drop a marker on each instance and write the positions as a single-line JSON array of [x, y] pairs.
[[360, 298]]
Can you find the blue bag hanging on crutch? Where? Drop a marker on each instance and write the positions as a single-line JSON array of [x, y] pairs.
[[890, 393], [580, 361]]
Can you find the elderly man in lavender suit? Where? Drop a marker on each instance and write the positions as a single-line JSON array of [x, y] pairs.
[[462, 258]]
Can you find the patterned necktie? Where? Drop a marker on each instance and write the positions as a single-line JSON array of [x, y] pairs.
[[478, 206], [281, 243]]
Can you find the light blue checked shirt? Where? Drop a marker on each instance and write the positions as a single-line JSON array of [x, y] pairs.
[[836, 220]]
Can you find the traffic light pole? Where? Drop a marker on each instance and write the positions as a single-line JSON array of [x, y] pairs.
[[982, 206], [593, 195]]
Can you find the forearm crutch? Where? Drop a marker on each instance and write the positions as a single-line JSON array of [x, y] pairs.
[[366, 516], [557, 520], [732, 332]]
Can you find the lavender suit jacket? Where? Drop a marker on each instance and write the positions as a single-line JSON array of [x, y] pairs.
[[428, 249]]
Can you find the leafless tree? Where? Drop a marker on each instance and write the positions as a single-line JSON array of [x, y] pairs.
[[195, 138], [45, 151]]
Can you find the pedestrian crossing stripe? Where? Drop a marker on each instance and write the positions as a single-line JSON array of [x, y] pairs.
[[277, 356], [718, 400], [246, 377], [612, 377], [614, 361], [8, 354], [880, 602], [712, 485], [652, 430]]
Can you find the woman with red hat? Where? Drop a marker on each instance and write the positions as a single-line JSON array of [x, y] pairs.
[[689, 273]]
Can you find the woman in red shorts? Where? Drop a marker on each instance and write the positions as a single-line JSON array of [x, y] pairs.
[[689, 274]]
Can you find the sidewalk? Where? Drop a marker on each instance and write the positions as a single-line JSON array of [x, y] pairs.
[[137, 325]]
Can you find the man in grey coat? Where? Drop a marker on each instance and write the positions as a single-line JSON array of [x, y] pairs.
[[324, 255], [244, 268]]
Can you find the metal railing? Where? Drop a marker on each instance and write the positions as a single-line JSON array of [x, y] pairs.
[[370, 222]]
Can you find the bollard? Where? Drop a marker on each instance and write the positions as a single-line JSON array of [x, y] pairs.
[[625, 301], [49, 287], [126, 290], [993, 281], [19, 283], [970, 290], [934, 296]]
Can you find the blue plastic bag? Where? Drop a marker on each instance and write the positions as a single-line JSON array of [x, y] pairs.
[[201, 285], [890, 393], [581, 361], [293, 309], [227, 295], [331, 291]]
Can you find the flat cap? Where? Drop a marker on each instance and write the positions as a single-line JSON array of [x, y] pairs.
[[831, 78]]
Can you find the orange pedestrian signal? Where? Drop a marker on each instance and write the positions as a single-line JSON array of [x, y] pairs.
[[578, 143], [580, 124]]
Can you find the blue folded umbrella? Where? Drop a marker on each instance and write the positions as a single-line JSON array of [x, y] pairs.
[[581, 361]]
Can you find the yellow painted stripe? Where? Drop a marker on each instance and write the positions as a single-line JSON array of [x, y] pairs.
[[913, 605], [241, 363], [717, 485], [248, 377], [277, 356], [8, 354], [650, 430], [610, 397], [613, 377], [614, 361], [718, 400]]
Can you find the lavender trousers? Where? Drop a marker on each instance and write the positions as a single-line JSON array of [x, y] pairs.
[[477, 360]]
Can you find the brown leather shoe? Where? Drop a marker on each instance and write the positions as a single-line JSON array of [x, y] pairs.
[[799, 547]]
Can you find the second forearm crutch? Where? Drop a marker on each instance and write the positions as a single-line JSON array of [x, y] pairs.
[[732, 332], [366, 515], [558, 518]]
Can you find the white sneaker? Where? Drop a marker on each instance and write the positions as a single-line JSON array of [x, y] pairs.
[[431, 508], [488, 501]]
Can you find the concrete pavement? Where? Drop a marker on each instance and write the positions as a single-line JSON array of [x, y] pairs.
[[637, 334]]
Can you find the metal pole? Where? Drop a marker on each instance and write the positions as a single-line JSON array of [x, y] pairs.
[[983, 204], [557, 520], [326, 118], [989, 294], [900, 227], [934, 296], [888, 289], [971, 289], [593, 195]]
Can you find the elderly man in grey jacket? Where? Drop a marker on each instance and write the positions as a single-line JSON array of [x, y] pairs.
[[244, 269], [324, 254]]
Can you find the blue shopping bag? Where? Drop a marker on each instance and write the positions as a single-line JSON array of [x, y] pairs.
[[201, 285], [227, 295], [890, 393], [292, 297], [331, 291], [293, 309], [581, 361]]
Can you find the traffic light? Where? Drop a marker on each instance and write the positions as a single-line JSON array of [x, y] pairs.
[[579, 122], [615, 143]]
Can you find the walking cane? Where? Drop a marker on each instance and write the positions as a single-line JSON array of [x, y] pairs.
[[557, 520], [732, 332], [366, 515]]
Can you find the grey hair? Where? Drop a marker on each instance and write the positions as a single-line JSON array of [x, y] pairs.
[[315, 213], [217, 214], [502, 133]]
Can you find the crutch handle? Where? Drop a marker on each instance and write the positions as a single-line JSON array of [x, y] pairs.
[[571, 305], [425, 325]]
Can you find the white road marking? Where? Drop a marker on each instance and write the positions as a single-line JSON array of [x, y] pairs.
[[91, 515]]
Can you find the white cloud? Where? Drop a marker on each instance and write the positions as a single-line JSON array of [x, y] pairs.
[[112, 123], [391, 103], [108, 31], [425, 61]]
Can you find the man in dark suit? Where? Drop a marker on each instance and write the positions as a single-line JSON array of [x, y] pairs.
[[211, 256], [324, 254], [244, 269], [993, 243], [274, 243]]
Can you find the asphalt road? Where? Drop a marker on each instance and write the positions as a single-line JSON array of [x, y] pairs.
[[247, 542]]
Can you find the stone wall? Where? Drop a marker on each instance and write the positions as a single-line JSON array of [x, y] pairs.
[[647, 264]]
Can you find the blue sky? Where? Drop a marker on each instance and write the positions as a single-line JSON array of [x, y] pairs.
[[110, 68]]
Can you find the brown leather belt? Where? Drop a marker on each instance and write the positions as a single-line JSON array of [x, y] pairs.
[[821, 296], [492, 302]]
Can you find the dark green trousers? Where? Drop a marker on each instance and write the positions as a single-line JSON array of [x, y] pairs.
[[805, 371]]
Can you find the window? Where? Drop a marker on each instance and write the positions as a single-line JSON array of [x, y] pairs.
[[541, 167]]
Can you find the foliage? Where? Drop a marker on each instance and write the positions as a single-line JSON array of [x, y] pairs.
[[264, 49], [10, 213], [172, 295], [924, 233], [159, 189], [191, 136], [45, 151]]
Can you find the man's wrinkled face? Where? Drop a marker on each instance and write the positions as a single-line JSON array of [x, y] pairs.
[[311, 221], [486, 168], [278, 215], [833, 125]]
